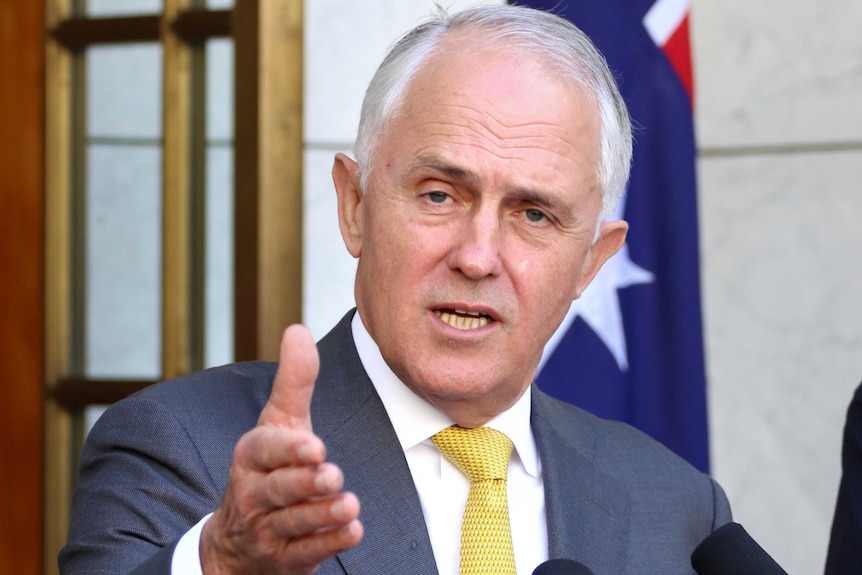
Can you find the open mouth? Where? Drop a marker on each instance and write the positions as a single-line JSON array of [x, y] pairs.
[[461, 319]]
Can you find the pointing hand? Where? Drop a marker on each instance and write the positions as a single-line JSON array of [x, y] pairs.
[[284, 510]]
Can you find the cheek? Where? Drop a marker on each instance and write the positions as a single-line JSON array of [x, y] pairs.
[[548, 274], [398, 251], [529, 273]]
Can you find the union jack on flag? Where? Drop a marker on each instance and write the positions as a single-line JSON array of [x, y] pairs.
[[632, 347]]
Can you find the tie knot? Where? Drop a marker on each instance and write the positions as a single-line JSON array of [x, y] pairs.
[[481, 453]]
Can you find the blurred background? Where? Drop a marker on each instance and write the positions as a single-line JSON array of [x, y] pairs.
[[94, 306]]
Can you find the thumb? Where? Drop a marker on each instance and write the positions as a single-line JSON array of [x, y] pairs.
[[298, 364]]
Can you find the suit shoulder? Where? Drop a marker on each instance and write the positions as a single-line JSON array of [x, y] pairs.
[[625, 464], [241, 382], [615, 445], [212, 405]]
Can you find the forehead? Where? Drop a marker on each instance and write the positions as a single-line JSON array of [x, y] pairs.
[[482, 101], [470, 65]]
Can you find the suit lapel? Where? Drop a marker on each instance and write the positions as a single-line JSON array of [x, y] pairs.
[[588, 511], [349, 416]]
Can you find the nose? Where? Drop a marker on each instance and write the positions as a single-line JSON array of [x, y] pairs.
[[478, 244]]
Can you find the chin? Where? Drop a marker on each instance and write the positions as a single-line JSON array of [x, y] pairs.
[[445, 383], [458, 385]]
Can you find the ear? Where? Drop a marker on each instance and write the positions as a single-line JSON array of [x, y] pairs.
[[612, 236], [345, 175]]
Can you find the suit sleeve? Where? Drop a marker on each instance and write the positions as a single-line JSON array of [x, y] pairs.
[[142, 484], [845, 557]]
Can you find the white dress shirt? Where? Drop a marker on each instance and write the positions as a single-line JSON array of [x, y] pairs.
[[442, 488]]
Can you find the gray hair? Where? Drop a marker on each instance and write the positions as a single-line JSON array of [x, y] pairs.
[[556, 42]]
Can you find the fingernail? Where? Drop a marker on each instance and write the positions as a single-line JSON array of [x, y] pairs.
[[323, 482], [350, 531], [305, 453], [338, 510]]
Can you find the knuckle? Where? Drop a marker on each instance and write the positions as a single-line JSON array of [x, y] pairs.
[[271, 491], [310, 551], [289, 522]]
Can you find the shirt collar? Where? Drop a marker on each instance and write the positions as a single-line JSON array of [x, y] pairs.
[[415, 420]]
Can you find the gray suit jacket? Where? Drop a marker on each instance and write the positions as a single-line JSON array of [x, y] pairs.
[[158, 461]]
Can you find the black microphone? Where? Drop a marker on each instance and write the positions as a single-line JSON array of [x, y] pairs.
[[730, 550], [562, 567]]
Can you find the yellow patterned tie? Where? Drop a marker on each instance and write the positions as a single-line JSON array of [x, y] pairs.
[[482, 454]]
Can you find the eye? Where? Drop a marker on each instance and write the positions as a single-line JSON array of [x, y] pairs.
[[534, 215], [437, 197]]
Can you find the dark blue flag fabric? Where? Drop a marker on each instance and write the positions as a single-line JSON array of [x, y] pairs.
[[632, 347]]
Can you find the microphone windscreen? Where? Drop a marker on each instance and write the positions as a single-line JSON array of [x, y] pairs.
[[730, 550], [562, 567]]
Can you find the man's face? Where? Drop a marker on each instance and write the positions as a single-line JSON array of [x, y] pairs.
[[476, 229]]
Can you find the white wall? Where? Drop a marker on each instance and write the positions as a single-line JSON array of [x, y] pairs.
[[779, 117]]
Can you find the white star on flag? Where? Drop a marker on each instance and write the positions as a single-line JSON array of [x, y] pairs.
[[599, 305]]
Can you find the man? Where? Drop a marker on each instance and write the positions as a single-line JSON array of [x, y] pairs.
[[845, 544], [492, 148]]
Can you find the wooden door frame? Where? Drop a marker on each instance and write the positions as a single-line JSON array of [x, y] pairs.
[[268, 205], [21, 289]]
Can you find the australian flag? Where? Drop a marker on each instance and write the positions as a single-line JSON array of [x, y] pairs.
[[632, 347]]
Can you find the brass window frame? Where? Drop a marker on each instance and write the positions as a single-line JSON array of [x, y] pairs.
[[268, 159]]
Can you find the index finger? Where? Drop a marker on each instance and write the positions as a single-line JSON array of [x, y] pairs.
[[289, 402]]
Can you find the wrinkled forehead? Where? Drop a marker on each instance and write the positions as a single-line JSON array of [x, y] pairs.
[[469, 64], [474, 46], [465, 60], [473, 80], [495, 115]]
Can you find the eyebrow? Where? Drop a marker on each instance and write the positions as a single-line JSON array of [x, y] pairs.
[[436, 164], [460, 174]]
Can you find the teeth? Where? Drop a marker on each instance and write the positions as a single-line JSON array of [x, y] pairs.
[[474, 320], [464, 312]]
